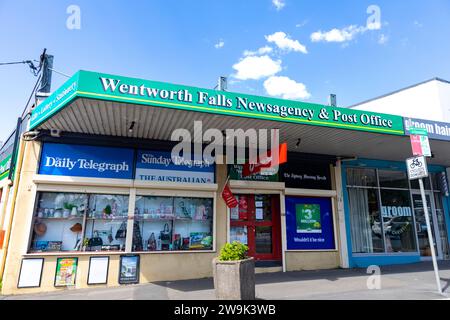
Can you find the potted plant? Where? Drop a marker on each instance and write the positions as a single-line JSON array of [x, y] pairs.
[[67, 209], [107, 211], [234, 273]]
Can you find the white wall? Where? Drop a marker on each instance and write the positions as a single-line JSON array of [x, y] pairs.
[[444, 96], [430, 101]]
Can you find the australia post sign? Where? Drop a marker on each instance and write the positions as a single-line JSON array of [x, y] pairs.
[[159, 94], [86, 161]]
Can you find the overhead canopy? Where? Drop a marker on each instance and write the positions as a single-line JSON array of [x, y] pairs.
[[92, 103]]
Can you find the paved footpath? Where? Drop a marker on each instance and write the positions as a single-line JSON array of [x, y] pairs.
[[415, 281]]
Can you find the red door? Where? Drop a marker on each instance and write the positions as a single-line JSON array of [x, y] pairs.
[[256, 222]]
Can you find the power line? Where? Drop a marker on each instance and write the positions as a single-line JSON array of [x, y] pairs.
[[31, 96], [35, 70], [15, 62]]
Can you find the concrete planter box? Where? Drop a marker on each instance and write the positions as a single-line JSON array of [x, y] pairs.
[[234, 280]]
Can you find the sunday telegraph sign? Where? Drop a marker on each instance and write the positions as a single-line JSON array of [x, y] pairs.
[[131, 90]]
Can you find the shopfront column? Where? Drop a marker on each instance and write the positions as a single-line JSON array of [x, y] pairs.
[[343, 249]]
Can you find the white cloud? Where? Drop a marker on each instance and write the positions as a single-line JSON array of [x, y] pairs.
[[286, 88], [219, 44], [260, 51], [279, 4], [285, 43], [374, 26], [254, 67], [301, 24], [418, 24], [338, 35], [383, 39]]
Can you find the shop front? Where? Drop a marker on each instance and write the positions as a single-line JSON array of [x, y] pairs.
[[99, 200], [287, 219], [385, 216]]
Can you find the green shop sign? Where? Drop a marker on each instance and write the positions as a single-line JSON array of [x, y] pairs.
[[5, 165], [137, 91]]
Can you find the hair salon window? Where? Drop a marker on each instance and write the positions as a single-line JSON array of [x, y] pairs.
[[172, 223], [78, 222], [381, 215], [440, 188]]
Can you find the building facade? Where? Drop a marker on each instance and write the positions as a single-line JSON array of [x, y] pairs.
[[97, 198]]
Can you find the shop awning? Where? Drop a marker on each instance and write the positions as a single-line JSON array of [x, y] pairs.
[[100, 104]]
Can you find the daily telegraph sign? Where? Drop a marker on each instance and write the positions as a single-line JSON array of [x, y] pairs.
[[86, 161], [137, 91]]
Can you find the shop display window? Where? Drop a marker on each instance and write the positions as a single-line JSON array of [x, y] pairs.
[[361, 177], [79, 222], [106, 223], [393, 179], [365, 221], [58, 222], [172, 223], [381, 215], [426, 184], [398, 221]]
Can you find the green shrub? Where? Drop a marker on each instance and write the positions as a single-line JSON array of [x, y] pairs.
[[233, 251]]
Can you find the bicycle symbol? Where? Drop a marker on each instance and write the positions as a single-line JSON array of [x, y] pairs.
[[415, 163]]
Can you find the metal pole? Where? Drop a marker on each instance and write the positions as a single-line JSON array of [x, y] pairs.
[[430, 236]]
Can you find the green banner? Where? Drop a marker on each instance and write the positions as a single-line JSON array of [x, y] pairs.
[[152, 93], [55, 102]]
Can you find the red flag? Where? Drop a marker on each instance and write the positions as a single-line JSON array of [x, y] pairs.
[[229, 197], [265, 161]]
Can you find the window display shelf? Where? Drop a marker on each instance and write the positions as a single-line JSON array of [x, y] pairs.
[[152, 219], [193, 220], [61, 219], [171, 219], [108, 219]]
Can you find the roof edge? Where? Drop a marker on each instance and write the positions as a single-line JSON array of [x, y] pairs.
[[399, 90]]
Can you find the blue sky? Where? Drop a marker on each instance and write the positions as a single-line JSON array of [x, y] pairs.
[[293, 49]]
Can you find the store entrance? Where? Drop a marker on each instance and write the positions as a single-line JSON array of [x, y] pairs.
[[256, 223], [421, 226]]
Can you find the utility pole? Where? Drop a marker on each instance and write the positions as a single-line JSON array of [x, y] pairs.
[[46, 65]]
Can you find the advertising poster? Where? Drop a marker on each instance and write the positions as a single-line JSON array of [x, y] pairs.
[[309, 224], [66, 271], [239, 234], [308, 218], [129, 269]]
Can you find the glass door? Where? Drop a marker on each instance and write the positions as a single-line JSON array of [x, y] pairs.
[[256, 223], [421, 225]]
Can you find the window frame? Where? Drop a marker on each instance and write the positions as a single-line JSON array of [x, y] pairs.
[[178, 194], [85, 217], [378, 190], [130, 190]]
